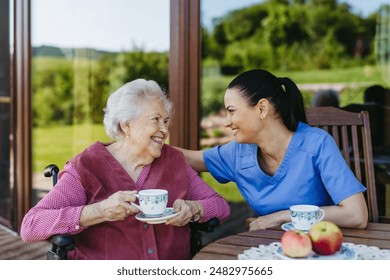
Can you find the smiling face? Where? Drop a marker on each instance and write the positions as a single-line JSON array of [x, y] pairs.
[[149, 131], [241, 118]]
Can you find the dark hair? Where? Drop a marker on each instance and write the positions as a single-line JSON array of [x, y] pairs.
[[376, 94], [283, 93]]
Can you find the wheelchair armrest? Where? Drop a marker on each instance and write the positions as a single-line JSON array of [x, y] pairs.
[[62, 241], [196, 235], [61, 245], [206, 226]]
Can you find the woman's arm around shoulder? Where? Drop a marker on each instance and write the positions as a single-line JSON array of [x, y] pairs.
[[194, 159]]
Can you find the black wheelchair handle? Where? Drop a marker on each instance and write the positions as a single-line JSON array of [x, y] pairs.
[[62, 240], [51, 170]]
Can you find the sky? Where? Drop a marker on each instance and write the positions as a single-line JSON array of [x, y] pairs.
[[117, 25]]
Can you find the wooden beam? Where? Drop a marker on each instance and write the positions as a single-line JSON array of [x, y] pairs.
[[184, 72], [21, 115]]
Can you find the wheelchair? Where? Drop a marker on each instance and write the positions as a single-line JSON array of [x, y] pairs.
[[63, 243]]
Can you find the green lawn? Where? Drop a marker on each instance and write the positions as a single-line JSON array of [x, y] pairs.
[[229, 191], [366, 74], [57, 144]]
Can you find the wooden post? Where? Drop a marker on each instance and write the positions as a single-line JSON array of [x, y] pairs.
[[184, 72], [21, 116]]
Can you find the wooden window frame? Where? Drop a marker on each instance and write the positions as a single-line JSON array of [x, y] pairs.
[[21, 119], [184, 72]]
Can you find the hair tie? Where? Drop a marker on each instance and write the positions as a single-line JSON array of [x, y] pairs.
[[282, 85]]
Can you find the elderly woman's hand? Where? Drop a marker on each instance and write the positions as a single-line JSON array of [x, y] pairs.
[[114, 208], [187, 210], [117, 206]]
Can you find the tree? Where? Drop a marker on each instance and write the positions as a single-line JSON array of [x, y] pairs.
[[140, 64], [316, 33]]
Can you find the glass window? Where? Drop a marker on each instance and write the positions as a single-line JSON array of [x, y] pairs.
[[81, 52], [5, 111], [214, 80]]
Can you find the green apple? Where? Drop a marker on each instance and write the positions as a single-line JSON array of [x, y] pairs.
[[296, 244], [326, 238]]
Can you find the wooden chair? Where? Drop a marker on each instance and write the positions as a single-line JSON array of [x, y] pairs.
[[351, 131]]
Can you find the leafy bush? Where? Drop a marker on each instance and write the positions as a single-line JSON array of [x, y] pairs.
[[146, 65]]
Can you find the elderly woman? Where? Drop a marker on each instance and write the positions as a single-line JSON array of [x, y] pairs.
[[93, 196], [277, 160]]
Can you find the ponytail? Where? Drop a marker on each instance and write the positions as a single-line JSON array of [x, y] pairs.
[[296, 110]]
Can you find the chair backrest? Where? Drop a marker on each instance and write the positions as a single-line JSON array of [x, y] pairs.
[[351, 132]]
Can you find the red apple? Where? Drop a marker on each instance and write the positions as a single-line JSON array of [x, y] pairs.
[[296, 244], [326, 238]]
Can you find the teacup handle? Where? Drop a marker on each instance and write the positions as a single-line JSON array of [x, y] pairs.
[[322, 215], [134, 204]]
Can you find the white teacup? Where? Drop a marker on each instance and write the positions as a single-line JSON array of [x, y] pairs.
[[304, 216], [153, 202]]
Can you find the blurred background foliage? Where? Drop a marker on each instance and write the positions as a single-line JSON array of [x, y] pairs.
[[312, 41], [291, 35], [75, 91]]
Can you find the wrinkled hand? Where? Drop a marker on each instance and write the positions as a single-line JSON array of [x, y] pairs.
[[117, 206], [271, 220], [186, 208]]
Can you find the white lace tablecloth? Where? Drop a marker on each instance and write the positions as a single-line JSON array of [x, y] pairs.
[[267, 252]]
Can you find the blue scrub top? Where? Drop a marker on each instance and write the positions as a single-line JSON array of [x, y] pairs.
[[313, 171]]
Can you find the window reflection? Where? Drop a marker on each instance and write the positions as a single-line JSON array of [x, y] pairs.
[[216, 70], [81, 52]]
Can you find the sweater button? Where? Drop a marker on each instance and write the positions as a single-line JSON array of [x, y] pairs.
[[146, 226], [150, 251]]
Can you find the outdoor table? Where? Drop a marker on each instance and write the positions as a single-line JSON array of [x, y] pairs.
[[375, 237]]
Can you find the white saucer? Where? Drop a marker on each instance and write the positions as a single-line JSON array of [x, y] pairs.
[[168, 214], [345, 253], [289, 226]]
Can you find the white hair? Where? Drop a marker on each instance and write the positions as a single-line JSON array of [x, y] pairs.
[[125, 104]]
